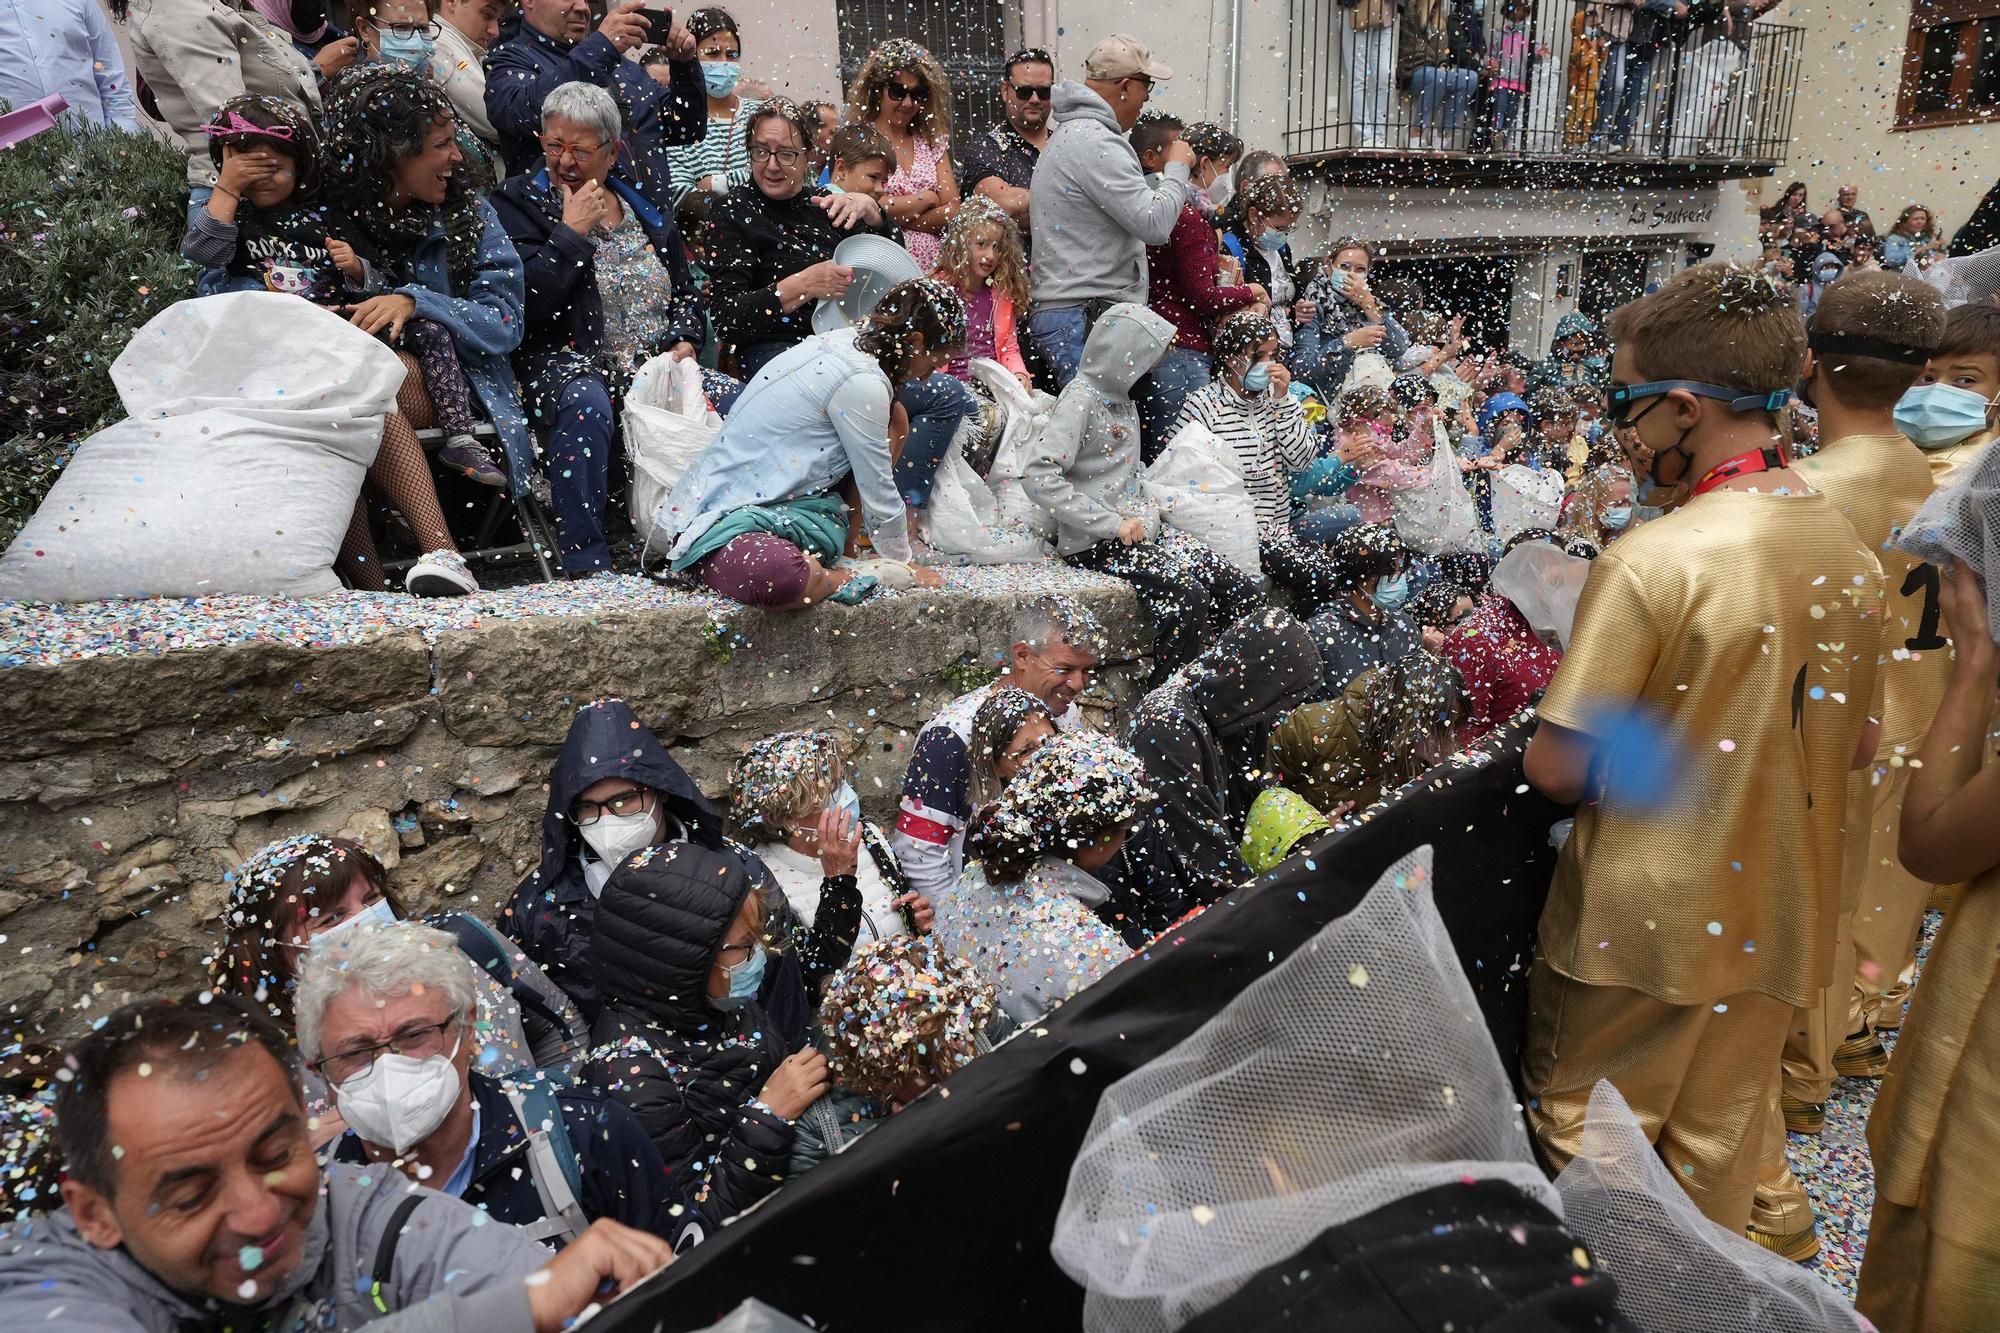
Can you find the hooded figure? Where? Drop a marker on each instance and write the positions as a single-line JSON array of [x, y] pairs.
[[553, 907], [688, 1068], [1084, 469], [1568, 365], [1202, 737]]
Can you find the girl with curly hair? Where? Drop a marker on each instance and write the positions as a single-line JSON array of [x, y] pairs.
[[450, 288], [983, 261], [903, 91], [1022, 911]]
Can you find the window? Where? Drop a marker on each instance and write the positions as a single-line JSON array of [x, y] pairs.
[[1951, 64]]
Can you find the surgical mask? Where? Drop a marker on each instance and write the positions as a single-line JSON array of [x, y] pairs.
[[1938, 416], [720, 76], [1257, 379], [1617, 517], [374, 916], [744, 979], [845, 801], [411, 50], [1392, 590], [1273, 239], [400, 1101], [1218, 193], [615, 837]]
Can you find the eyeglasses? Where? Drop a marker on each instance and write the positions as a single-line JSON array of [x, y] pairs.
[[429, 29], [1033, 92], [741, 952], [1145, 79], [631, 802], [556, 149], [417, 1043], [903, 92], [785, 157]]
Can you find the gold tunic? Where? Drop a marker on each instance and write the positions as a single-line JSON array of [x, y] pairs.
[[1744, 627], [1950, 461], [1878, 481]]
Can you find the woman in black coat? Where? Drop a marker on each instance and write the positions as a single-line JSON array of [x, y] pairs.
[[686, 1037]]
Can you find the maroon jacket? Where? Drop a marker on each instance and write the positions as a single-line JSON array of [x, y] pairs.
[[1181, 281]]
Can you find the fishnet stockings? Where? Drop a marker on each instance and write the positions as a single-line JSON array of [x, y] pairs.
[[401, 476]]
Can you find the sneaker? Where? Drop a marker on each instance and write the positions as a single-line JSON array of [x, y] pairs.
[[1802, 1117], [440, 574], [1862, 1055], [1799, 1247], [463, 453]]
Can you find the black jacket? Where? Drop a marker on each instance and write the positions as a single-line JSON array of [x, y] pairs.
[[689, 1070], [552, 910], [1201, 737], [753, 242], [564, 309], [622, 1177]]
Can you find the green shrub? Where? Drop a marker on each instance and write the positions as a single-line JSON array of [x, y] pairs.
[[90, 232]]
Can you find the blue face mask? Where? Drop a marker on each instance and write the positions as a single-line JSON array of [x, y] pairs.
[[744, 979], [845, 801], [411, 50], [1257, 379], [720, 76], [1274, 239], [1391, 591], [1937, 416], [372, 917], [1617, 517]]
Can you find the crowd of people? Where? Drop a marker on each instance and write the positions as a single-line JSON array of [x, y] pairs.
[[1676, 538]]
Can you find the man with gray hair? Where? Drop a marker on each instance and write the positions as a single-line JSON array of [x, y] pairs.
[[386, 1016], [1057, 642], [583, 228]]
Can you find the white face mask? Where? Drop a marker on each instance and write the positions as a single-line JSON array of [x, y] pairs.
[[399, 1101], [374, 916], [615, 837]]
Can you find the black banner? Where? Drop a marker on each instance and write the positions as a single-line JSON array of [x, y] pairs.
[[941, 1217]]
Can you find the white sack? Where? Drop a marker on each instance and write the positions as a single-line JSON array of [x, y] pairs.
[[1198, 485], [668, 425]]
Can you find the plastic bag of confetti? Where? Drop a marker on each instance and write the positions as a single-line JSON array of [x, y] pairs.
[[1356, 1073], [252, 417], [1023, 413], [1198, 485], [1439, 516], [1524, 498], [668, 424], [963, 522]]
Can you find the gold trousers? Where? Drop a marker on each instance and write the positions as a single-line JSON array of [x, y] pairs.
[[1780, 1206], [1701, 1079], [1914, 1281], [1888, 914]]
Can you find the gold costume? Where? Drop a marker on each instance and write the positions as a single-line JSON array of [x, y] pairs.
[[1933, 1258], [1877, 481], [1949, 461], [1744, 627]]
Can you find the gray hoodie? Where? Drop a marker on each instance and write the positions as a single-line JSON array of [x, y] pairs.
[[1094, 214], [1084, 466], [455, 1272]]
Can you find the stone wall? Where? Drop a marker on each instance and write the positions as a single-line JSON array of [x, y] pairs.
[[130, 786]]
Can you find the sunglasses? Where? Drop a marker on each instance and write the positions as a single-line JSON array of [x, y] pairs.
[[903, 92], [1619, 402], [1033, 92]]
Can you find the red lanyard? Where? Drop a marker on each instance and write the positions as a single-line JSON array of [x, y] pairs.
[[1755, 460]]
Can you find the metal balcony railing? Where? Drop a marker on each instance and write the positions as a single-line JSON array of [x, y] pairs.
[[1705, 104]]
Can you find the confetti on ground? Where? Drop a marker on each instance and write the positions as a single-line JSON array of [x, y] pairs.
[[46, 635]]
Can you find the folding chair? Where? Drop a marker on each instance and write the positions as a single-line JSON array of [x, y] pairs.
[[476, 526]]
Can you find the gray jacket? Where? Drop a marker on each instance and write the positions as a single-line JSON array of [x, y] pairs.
[[197, 54], [451, 1274], [1084, 467], [1094, 213]]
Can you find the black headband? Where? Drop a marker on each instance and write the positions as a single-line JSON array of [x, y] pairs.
[[1860, 344]]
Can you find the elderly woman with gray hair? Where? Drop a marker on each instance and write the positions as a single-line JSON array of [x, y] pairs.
[[387, 1015], [608, 289]]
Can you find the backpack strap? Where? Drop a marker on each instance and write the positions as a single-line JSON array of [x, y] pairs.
[[384, 1271], [552, 1163]]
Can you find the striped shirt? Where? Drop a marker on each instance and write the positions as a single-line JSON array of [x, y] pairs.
[[721, 151], [1271, 439]]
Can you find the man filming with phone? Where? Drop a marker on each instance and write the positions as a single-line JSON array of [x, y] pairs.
[[554, 45]]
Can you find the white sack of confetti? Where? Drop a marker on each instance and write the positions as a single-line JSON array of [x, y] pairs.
[[252, 417], [1356, 1073]]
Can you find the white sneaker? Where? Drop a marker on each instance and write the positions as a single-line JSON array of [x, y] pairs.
[[440, 574]]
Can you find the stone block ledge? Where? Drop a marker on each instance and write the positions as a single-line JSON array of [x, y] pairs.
[[146, 749]]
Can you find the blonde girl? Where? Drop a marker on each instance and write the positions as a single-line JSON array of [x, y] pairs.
[[982, 261]]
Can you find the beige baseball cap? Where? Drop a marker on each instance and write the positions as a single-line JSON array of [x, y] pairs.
[[1122, 57]]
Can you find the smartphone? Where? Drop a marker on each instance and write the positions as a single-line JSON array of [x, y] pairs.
[[659, 21]]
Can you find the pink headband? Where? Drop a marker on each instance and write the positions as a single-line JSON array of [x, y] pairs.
[[237, 125]]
